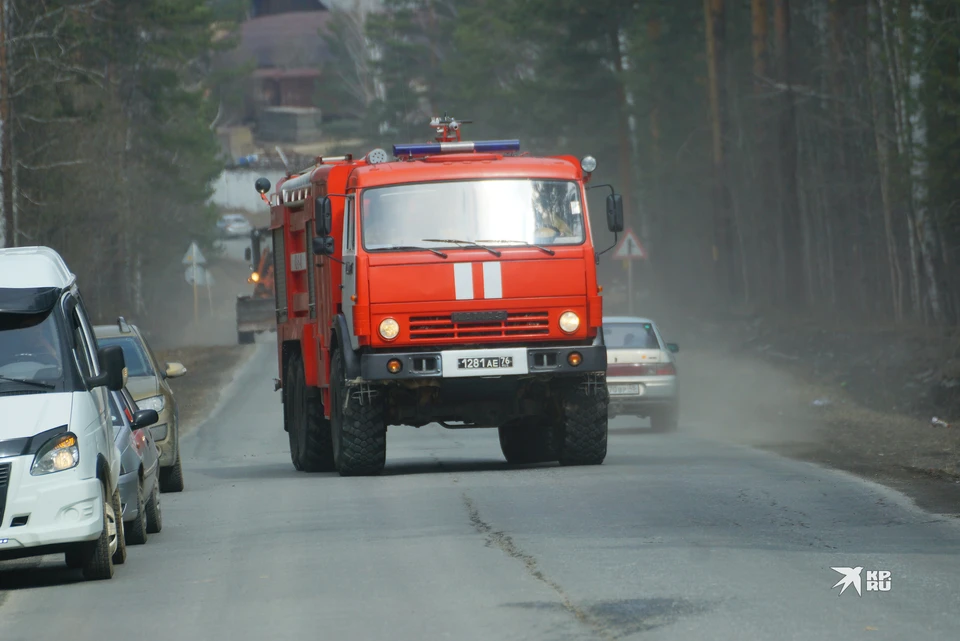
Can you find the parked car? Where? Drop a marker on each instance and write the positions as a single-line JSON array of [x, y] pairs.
[[139, 467], [147, 382], [641, 372], [59, 465], [234, 226]]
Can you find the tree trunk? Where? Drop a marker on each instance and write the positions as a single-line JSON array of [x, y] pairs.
[[794, 286], [766, 223], [9, 233], [848, 234], [895, 65], [925, 227], [715, 17], [623, 114], [880, 129]]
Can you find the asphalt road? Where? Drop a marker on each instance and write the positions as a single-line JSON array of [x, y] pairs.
[[674, 537]]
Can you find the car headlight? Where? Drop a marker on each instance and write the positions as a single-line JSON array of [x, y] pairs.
[[159, 432], [153, 403], [58, 454], [569, 322], [389, 329]]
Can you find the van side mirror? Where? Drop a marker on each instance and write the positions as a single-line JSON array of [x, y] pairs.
[[323, 210], [144, 418], [615, 213], [323, 245], [112, 365]]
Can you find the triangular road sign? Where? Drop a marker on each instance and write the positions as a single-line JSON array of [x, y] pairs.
[[194, 255], [629, 248]]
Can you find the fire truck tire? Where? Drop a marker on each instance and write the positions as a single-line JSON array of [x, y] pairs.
[[584, 426], [359, 430], [524, 444], [245, 338], [289, 419], [310, 436]]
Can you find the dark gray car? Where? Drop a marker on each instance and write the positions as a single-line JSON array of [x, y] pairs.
[[139, 467]]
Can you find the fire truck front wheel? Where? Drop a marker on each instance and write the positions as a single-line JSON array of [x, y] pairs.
[[358, 425], [530, 442], [310, 447], [583, 411]]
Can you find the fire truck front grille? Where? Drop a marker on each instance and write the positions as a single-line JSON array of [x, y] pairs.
[[483, 325]]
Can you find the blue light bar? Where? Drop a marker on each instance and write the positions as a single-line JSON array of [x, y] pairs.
[[431, 148]]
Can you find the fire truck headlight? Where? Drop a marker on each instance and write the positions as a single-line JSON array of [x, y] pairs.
[[588, 164], [389, 329], [569, 322]]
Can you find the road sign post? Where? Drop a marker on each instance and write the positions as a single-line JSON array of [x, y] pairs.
[[630, 250], [195, 261]]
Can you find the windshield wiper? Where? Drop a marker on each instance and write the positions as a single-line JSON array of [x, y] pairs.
[[546, 250], [469, 243], [411, 248], [26, 382]]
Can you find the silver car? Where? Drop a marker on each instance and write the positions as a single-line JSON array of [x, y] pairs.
[[139, 467], [641, 372]]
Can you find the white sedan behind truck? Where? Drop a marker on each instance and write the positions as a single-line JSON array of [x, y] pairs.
[[641, 372]]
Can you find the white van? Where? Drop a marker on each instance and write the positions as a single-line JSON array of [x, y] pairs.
[[59, 465]]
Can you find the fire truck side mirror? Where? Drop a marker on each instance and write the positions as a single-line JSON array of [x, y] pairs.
[[323, 210], [323, 245], [615, 213]]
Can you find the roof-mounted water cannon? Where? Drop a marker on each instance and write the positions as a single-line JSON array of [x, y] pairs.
[[448, 142], [448, 129]]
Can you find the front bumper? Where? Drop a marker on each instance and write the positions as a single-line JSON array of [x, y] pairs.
[[637, 396], [469, 363], [57, 509], [129, 486]]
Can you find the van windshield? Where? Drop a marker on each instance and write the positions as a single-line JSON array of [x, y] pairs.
[[542, 212], [30, 349]]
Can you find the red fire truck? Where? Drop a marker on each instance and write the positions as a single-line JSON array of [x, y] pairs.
[[455, 284]]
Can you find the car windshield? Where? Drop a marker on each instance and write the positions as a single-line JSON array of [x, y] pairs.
[[30, 348], [630, 336], [138, 363], [542, 212]]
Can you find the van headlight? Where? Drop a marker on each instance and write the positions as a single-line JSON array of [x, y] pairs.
[[389, 329], [58, 454], [569, 322], [154, 403]]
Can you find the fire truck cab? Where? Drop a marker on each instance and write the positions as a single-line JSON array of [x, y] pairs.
[[455, 284]]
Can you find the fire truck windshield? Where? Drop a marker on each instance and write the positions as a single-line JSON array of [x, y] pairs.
[[521, 211]]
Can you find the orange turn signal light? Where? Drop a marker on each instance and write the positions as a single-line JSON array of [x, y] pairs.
[[394, 365], [574, 358]]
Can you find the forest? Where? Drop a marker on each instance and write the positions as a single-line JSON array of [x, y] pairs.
[[792, 155], [107, 151]]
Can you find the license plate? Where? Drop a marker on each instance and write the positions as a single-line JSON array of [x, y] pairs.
[[486, 362], [623, 390]]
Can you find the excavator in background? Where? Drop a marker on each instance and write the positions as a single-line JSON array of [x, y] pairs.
[[256, 313]]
